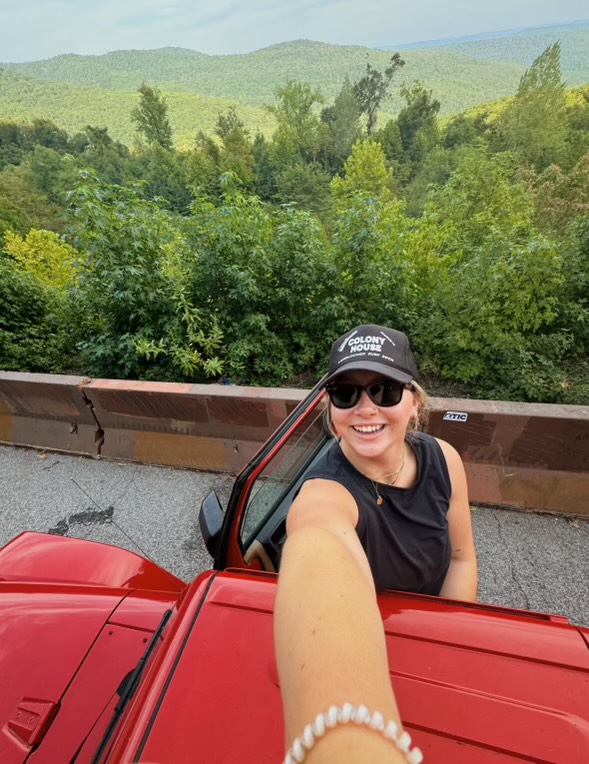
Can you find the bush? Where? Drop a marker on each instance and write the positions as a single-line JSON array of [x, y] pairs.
[[30, 323], [135, 320]]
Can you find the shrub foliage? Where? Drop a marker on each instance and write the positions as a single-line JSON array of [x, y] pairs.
[[241, 258]]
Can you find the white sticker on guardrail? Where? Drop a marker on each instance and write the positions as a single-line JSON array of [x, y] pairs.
[[455, 416]]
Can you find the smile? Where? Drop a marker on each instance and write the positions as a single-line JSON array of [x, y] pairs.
[[368, 428]]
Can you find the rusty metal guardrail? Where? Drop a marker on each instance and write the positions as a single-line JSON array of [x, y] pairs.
[[527, 456]]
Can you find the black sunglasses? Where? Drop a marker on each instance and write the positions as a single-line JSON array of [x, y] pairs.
[[345, 395]]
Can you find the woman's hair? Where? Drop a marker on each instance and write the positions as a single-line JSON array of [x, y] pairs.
[[419, 423], [416, 424]]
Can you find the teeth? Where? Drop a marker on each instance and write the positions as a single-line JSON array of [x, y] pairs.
[[368, 427]]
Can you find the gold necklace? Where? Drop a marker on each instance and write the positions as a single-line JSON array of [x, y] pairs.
[[379, 499]]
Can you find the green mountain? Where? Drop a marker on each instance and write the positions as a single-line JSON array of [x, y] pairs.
[[523, 47], [74, 90], [72, 107], [458, 80]]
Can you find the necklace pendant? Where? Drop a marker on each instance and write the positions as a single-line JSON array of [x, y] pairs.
[[379, 500]]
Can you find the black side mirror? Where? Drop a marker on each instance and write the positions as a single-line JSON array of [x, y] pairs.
[[210, 519]]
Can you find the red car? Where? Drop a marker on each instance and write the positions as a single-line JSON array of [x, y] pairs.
[[105, 657]]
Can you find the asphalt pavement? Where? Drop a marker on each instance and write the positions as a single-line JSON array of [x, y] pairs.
[[526, 560]]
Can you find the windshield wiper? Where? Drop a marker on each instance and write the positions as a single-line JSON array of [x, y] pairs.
[[129, 685]]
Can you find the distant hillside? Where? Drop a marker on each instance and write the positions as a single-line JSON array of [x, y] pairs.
[[522, 46], [457, 79], [72, 108], [74, 91]]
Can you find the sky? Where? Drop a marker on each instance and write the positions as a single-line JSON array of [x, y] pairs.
[[31, 30]]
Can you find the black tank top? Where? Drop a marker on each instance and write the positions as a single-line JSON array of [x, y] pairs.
[[406, 539]]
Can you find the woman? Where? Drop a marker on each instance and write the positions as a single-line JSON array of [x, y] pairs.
[[386, 507], [402, 492]]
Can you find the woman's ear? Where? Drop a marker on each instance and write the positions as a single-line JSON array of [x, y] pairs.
[[414, 418]]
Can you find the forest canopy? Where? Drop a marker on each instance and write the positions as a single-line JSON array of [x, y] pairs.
[[241, 256]]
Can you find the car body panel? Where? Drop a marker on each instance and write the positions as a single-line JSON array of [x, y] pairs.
[[466, 688], [46, 632], [138, 719], [65, 647], [60, 559]]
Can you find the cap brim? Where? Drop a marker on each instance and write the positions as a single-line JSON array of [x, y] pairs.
[[378, 368]]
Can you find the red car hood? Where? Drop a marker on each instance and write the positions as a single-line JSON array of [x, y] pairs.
[[45, 633], [75, 617], [474, 683], [64, 650]]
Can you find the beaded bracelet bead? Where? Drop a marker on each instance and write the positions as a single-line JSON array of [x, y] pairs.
[[344, 715]]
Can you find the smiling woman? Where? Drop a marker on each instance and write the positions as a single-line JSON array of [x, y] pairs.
[[386, 507], [401, 492]]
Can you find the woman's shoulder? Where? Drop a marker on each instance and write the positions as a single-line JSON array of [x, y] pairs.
[[444, 454], [451, 454], [430, 442], [423, 441], [331, 458]]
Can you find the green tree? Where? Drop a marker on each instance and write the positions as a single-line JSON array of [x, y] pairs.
[[463, 129], [560, 197], [340, 124], [237, 151], [295, 147], [45, 256], [43, 132], [264, 170], [372, 89], [304, 184], [229, 266], [12, 144], [577, 121], [486, 284], [31, 207], [365, 171], [534, 123], [417, 123], [95, 148], [203, 166], [134, 317], [52, 173], [267, 278], [389, 138], [303, 295], [297, 135], [164, 175], [151, 117], [368, 239], [29, 322], [11, 217], [369, 254], [573, 312]]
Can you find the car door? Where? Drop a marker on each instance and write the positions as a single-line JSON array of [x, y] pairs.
[[252, 530]]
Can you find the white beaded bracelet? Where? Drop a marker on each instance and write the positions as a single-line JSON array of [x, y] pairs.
[[344, 715]]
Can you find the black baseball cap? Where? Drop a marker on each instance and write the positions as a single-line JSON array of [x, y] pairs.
[[373, 348]]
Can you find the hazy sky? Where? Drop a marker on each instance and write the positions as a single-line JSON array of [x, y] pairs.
[[36, 29]]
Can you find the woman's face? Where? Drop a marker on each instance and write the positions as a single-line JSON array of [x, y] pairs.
[[368, 430]]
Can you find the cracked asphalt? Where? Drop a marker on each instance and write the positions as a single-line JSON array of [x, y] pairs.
[[526, 560]]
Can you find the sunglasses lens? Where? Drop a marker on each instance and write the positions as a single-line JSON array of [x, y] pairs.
[[386, 393], [344, 396]]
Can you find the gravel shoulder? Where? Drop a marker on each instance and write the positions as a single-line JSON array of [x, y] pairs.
[[526, 560]]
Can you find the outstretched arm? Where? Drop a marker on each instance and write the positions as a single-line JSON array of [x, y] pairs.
[[330, 643], [461, 581]]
